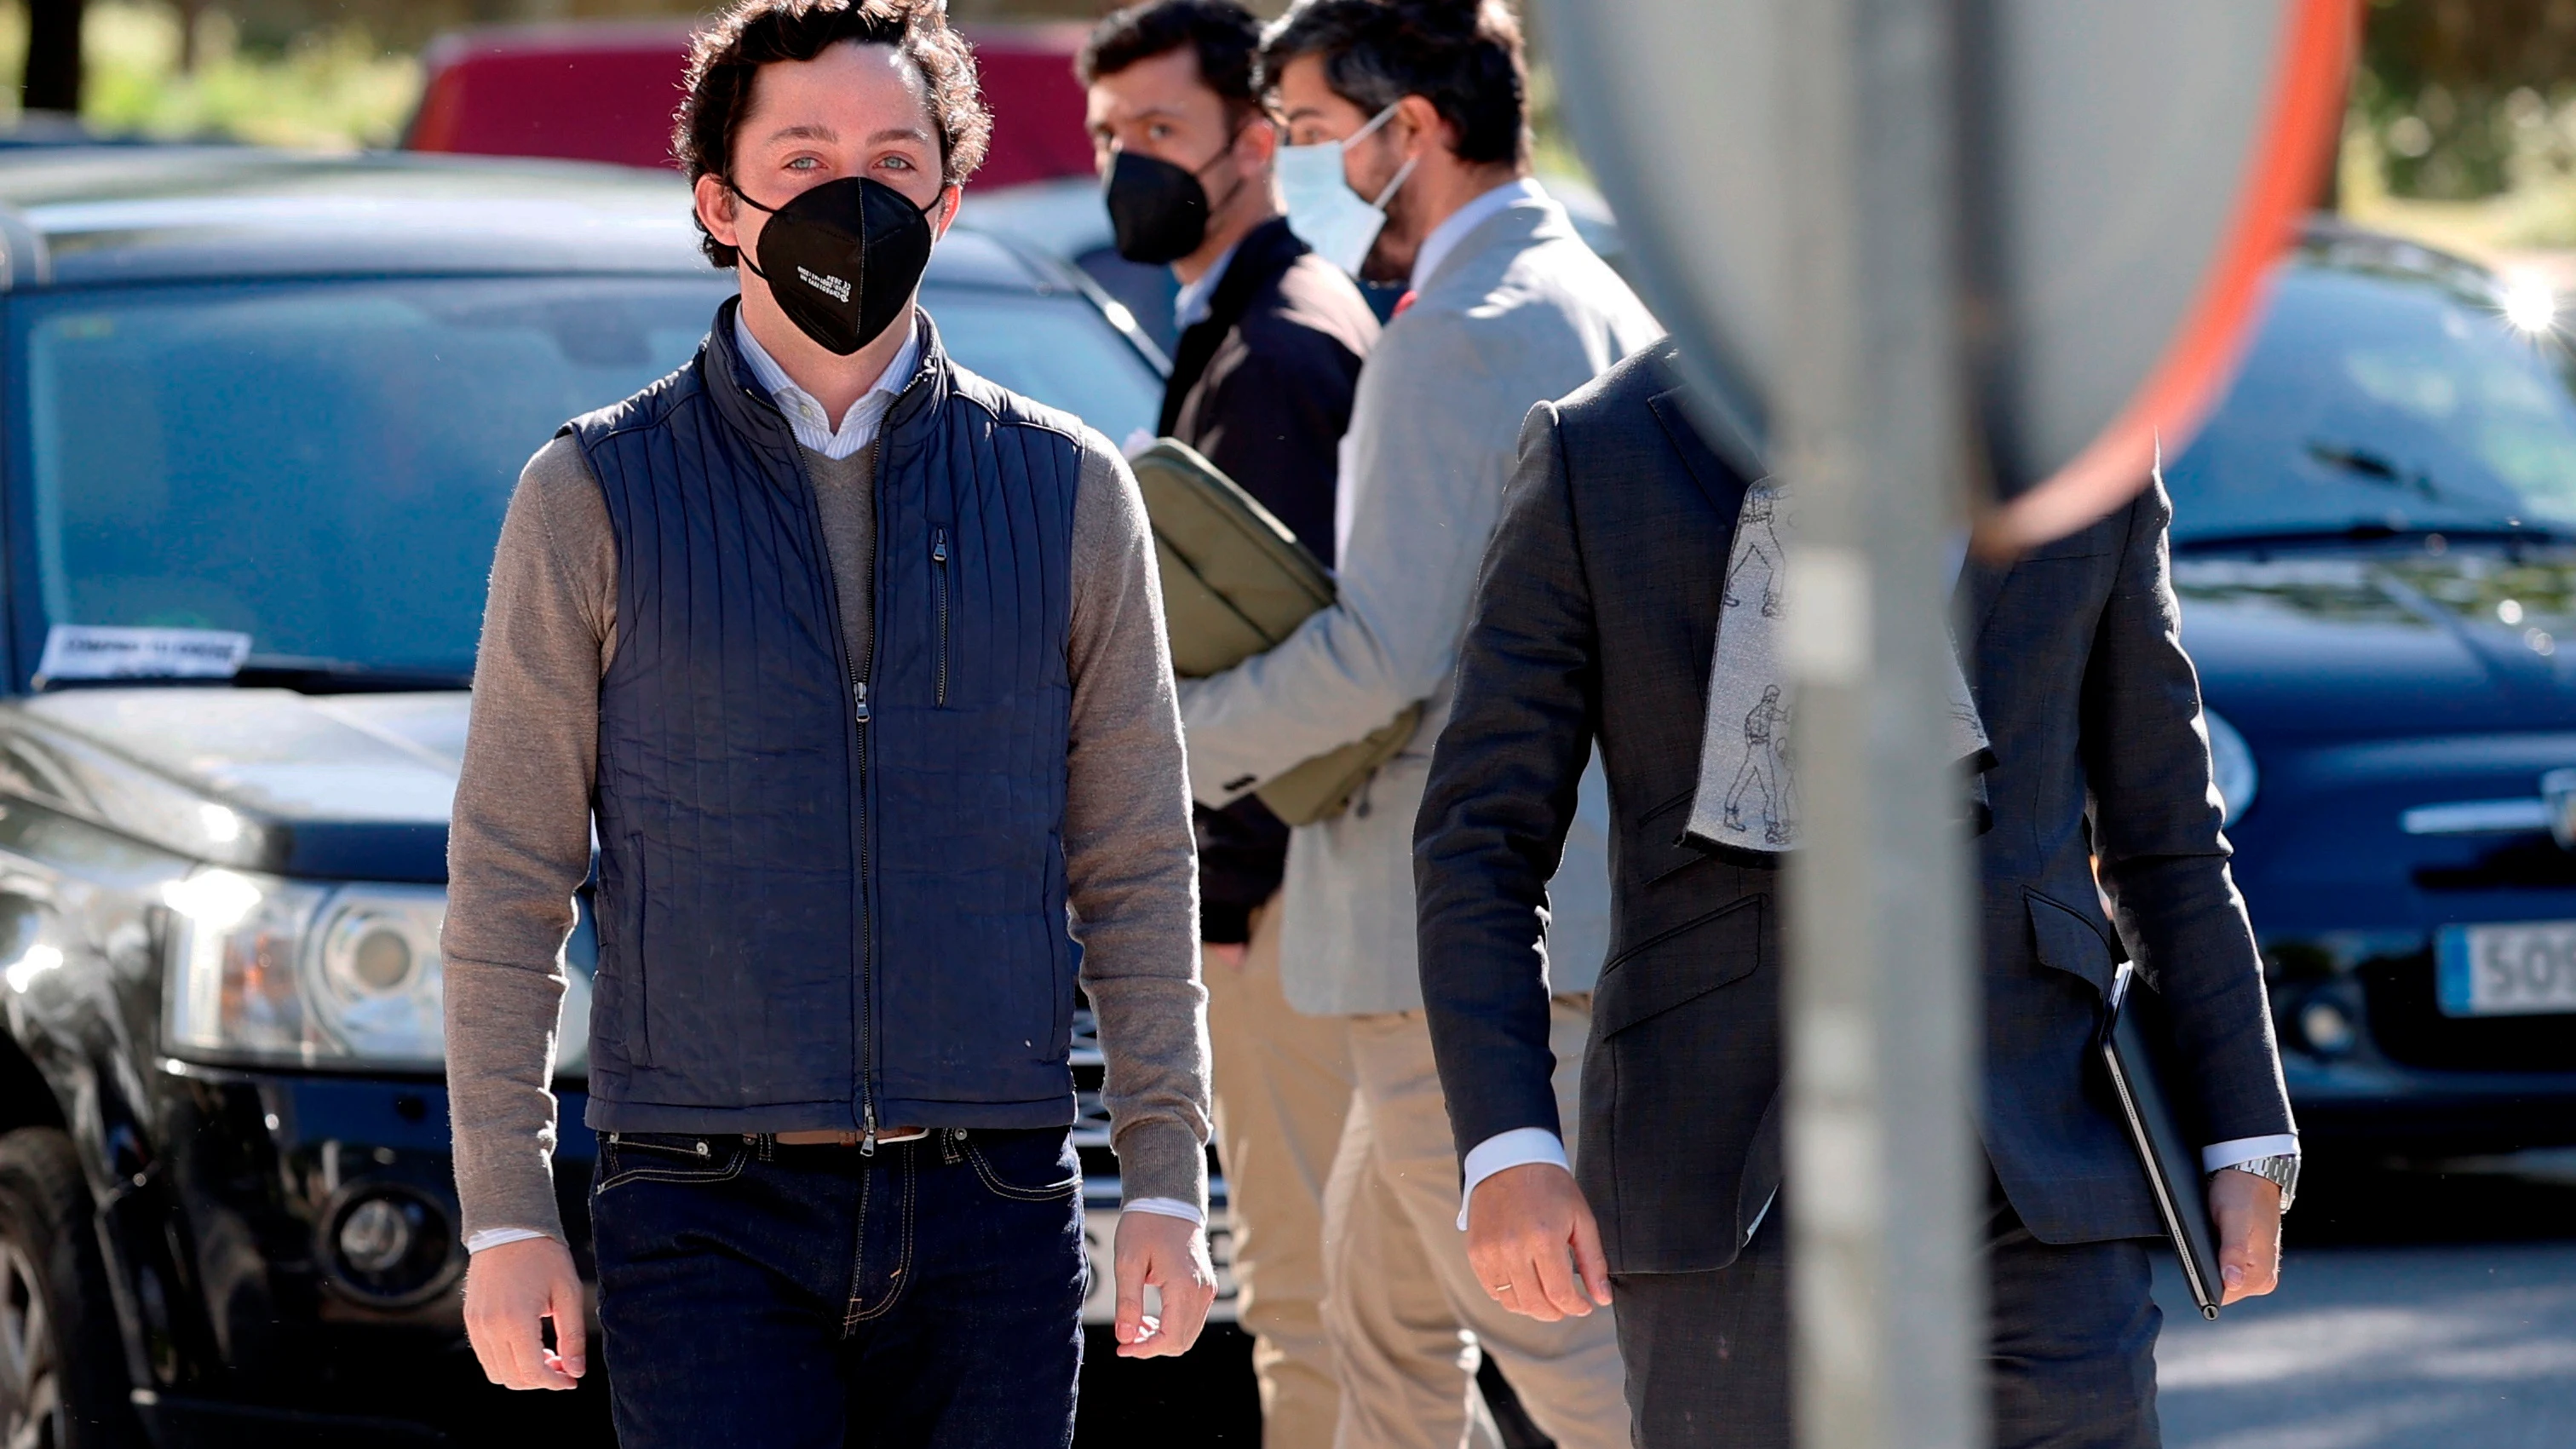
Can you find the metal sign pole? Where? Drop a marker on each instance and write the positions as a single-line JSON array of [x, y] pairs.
[[1884, 1170]]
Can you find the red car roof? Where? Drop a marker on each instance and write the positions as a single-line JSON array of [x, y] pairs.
[[607, 91]]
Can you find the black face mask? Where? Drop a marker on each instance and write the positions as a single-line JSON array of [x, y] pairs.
[[843, 259], [1157, 208]]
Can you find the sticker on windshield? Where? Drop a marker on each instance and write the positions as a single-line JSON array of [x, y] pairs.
[[101, 651]]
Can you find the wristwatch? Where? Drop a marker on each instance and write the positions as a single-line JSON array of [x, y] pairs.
[[2282, 1169]]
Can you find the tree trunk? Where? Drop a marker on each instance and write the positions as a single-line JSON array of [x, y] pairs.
[[53, 56], [190, 11]]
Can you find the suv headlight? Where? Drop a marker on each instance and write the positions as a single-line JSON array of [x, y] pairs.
[[284, 971], [2231, 767]]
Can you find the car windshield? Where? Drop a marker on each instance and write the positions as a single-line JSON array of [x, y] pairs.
[[2373, 403], [323, 466]]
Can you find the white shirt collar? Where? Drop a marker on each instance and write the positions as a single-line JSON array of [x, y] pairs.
[[1190, 308], [1445, 237], [806, 417]]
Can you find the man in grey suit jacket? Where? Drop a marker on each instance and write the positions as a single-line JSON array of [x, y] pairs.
[[1423, 102], [1595, 625]]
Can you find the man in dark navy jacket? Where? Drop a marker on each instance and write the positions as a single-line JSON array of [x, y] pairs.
[[855, 664], [1271, 345], [1596, 621]]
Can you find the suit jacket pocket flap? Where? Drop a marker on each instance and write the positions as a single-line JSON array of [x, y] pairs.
[[1659, 848], [2068, 942], [1679, 965]]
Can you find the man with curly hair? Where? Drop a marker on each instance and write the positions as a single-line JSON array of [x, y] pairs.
[[853, 665]]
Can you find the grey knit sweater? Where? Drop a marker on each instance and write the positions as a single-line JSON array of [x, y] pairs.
[[520, 843]]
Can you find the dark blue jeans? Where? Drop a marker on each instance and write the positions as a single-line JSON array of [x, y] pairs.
[[929, 1297]]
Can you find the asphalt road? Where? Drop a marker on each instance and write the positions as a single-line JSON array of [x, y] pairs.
[[2418, 1310]]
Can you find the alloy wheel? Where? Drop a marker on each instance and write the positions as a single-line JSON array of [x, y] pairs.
[[31, 1389]]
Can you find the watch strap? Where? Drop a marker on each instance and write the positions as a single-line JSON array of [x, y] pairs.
[[2281, 1169]]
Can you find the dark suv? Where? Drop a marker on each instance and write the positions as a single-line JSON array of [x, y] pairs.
[[259, 417]]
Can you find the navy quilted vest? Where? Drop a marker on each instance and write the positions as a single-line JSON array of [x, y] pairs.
[[825, 900]]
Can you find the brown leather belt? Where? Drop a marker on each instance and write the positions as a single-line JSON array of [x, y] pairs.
[[827, 1137]]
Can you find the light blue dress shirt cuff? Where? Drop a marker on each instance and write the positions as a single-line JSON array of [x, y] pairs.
[[495, 1237], [2245, 1149], [1517, 1148], [1168, 1207]]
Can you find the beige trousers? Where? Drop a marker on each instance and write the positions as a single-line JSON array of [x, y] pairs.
[[1404, 1349], [1283, 1086]]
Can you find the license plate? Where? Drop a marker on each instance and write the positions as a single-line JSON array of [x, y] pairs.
[[1099, 1237], [2518, 970]]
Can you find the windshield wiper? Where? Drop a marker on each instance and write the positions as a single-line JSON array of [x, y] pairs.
[[341, 676], [2375, 468]]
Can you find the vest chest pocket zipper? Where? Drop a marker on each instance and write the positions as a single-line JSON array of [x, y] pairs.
[[939, 604]]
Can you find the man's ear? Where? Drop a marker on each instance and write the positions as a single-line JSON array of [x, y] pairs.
[[951, 197], [1423, 119], [715, 203], [1258, 142]]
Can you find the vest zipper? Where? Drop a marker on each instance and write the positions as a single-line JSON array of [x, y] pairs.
[[859, 755], [939, 595]]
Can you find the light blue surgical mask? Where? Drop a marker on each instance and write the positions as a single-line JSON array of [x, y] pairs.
[[1323, 210]]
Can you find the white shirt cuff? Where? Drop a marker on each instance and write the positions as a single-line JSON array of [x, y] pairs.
[[495, 1237], [1169, 1207], [2245, 1149], [1517, 1148]]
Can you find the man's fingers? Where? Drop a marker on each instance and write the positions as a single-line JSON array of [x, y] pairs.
[[1129, 1327], [2250, 1267], [1553, 1272], [1185, 1311], [1492, 1265], [519, 1342], [2248, 1210], [1530, 1294], [1589, 1260], [496, 1327], [572, 1329]]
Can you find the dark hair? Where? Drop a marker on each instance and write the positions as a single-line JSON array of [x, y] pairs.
[[728, 54], [1226, 37], [1463, 56]]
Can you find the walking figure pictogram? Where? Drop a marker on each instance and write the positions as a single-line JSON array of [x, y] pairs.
[[1759, 541], [1766, 729]]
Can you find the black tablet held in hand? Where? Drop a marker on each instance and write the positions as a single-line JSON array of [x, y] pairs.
[[2137, 1047]]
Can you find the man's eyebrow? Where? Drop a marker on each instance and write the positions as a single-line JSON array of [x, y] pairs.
[[809, 131], [900, 133]]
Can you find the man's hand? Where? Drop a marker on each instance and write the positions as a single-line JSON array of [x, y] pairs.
[[2248, 1209], [1171, 1254], [508, 1289], [1522, 1223]]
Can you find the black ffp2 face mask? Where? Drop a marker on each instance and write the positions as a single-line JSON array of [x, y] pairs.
[[843, 259], [1157, 209]]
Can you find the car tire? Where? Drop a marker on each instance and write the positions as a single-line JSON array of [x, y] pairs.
[[63, 1380]]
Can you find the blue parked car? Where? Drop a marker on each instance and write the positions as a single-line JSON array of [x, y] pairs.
[[2375, 546]]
